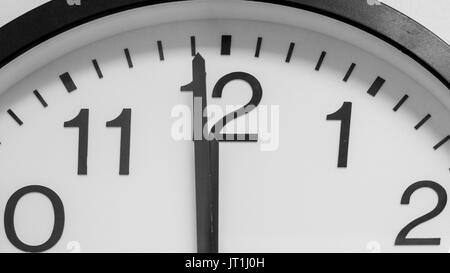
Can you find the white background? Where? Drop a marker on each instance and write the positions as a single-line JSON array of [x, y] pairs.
[[432, 14]]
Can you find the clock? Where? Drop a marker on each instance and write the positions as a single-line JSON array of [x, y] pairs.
[[223, 126]]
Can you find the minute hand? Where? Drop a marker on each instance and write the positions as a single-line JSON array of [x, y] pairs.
[[206, 180]]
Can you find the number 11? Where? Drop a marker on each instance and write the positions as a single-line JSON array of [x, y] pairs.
[[123, 121]]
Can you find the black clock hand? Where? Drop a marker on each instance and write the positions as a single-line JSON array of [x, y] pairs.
[[214, 174], [205, 179], [207, 195]]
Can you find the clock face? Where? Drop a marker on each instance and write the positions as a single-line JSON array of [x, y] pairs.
[[332, 139]]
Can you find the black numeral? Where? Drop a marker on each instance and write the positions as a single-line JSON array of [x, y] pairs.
[[442, 202], [58, 226], [198, 88], [250, 106], [344, 115], [82, 123], [123, 121]]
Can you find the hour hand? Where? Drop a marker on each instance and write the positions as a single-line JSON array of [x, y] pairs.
[[214, 179], [206, 152], [206, 189]]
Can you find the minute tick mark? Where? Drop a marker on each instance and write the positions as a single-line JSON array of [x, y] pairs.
[[15, 117], [128, 57], [422, 122], [40, 98], [160, 51], [349, 72], [320, 61], [400, 103], [442, 142], [258, 47], [97, 69], [193, 46], [290, 51]]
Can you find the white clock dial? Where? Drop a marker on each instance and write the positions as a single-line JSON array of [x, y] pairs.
[[352, 137]]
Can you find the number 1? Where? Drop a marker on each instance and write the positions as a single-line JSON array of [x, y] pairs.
[[82, 123], [123, 121], [344, 115]]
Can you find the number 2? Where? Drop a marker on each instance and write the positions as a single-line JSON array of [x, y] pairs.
[[442, 202], [250, 106]]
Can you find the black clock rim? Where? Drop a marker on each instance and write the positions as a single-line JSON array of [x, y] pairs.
[[382, 21]]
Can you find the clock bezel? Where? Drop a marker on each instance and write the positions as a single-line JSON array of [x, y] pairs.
[[382, 21]]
